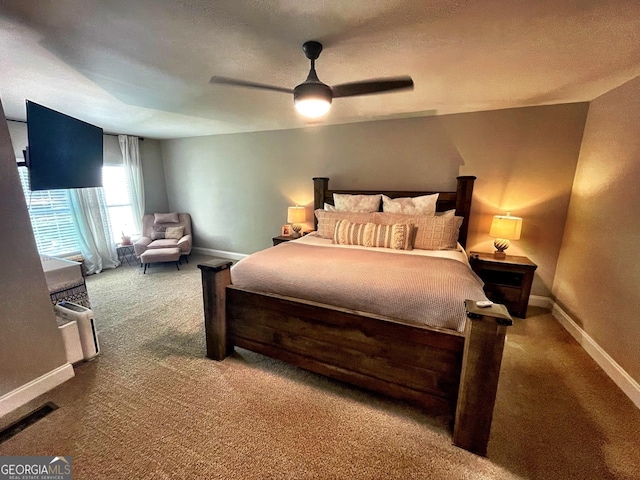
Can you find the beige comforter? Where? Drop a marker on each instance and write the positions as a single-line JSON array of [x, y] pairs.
[[415, 289]]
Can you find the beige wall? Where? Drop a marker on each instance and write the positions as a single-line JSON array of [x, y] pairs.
[[30, 344], [155, 189], [18, 133], [525, 161], [237, 187], [598, 275]]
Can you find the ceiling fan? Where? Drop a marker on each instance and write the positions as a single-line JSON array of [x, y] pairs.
[[312, 98]]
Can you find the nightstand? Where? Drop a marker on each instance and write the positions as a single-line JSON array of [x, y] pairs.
[[280, 239], [506, 280]]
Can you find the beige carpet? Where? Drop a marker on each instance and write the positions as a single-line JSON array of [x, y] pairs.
[[152, 406]]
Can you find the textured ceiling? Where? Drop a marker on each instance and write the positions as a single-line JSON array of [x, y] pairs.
[[143, 67]]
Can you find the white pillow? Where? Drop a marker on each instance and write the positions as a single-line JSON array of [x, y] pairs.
[[424, 205], [329, 208], [356, 203], [447, 213]]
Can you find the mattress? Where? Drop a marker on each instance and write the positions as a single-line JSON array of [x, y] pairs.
[[422, 287], [64, 280], [60, 273]]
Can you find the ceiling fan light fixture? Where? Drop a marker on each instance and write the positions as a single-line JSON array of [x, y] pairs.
[[312, 107], [312, 99]]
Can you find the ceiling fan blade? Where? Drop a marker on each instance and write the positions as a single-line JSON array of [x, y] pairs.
[[217, 80], [367, 87]]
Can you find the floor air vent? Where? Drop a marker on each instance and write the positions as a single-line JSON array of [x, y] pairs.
[[29, 419]]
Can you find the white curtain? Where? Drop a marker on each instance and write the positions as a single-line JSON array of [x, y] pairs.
[[133, 168], [91, 219]]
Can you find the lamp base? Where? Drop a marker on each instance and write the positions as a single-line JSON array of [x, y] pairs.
[[295, 231], [501, 245]]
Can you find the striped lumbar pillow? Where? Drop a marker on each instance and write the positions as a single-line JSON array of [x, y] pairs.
[[349, 233], [397, 236]]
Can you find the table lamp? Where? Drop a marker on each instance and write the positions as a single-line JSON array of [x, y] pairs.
[[295, 216], [503, 229]]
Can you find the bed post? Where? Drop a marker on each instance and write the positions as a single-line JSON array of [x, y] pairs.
[[464, 193], [320, 186], [216, 275], [484, 342]]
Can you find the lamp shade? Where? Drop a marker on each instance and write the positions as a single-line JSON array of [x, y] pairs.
[[506, 226], [296, 215]]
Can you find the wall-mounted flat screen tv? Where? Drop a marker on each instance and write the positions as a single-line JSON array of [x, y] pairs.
[[63, 152]]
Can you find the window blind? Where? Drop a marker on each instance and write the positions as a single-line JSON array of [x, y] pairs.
[[51, 220]]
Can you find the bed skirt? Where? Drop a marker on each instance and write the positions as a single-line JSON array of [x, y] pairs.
[[74, 293]]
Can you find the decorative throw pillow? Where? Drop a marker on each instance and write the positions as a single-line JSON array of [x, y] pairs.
[[395, 236], [349, 233], [356, 203], [158, 232], [174, 232], [424, 205], [165, 218], [327, 220], [430, 232]]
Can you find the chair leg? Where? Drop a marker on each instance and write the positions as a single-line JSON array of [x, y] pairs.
[[178, 265], [186, 258], [145, 268]]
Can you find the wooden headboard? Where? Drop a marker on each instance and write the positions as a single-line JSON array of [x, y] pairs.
[[460, 200]]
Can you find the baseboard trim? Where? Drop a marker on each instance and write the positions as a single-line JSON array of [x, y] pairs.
[[219, 253], [628, 385], [27, 392], [540, 301]]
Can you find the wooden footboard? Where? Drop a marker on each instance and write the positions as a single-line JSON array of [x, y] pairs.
[[442, 371], [416, 364]]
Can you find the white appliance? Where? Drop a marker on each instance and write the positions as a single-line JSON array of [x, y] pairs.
[[87, 334], [70, 339]]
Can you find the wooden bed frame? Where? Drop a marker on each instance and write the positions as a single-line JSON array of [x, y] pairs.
[[440, 370]]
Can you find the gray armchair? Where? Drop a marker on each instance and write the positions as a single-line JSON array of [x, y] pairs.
[[165, 230]]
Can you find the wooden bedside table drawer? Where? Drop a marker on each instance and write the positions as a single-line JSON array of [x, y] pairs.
[[503, 277], [502, 294]]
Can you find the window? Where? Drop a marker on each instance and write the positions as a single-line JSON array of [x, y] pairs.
[[51, 219], [118, 198], [50, 212]]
